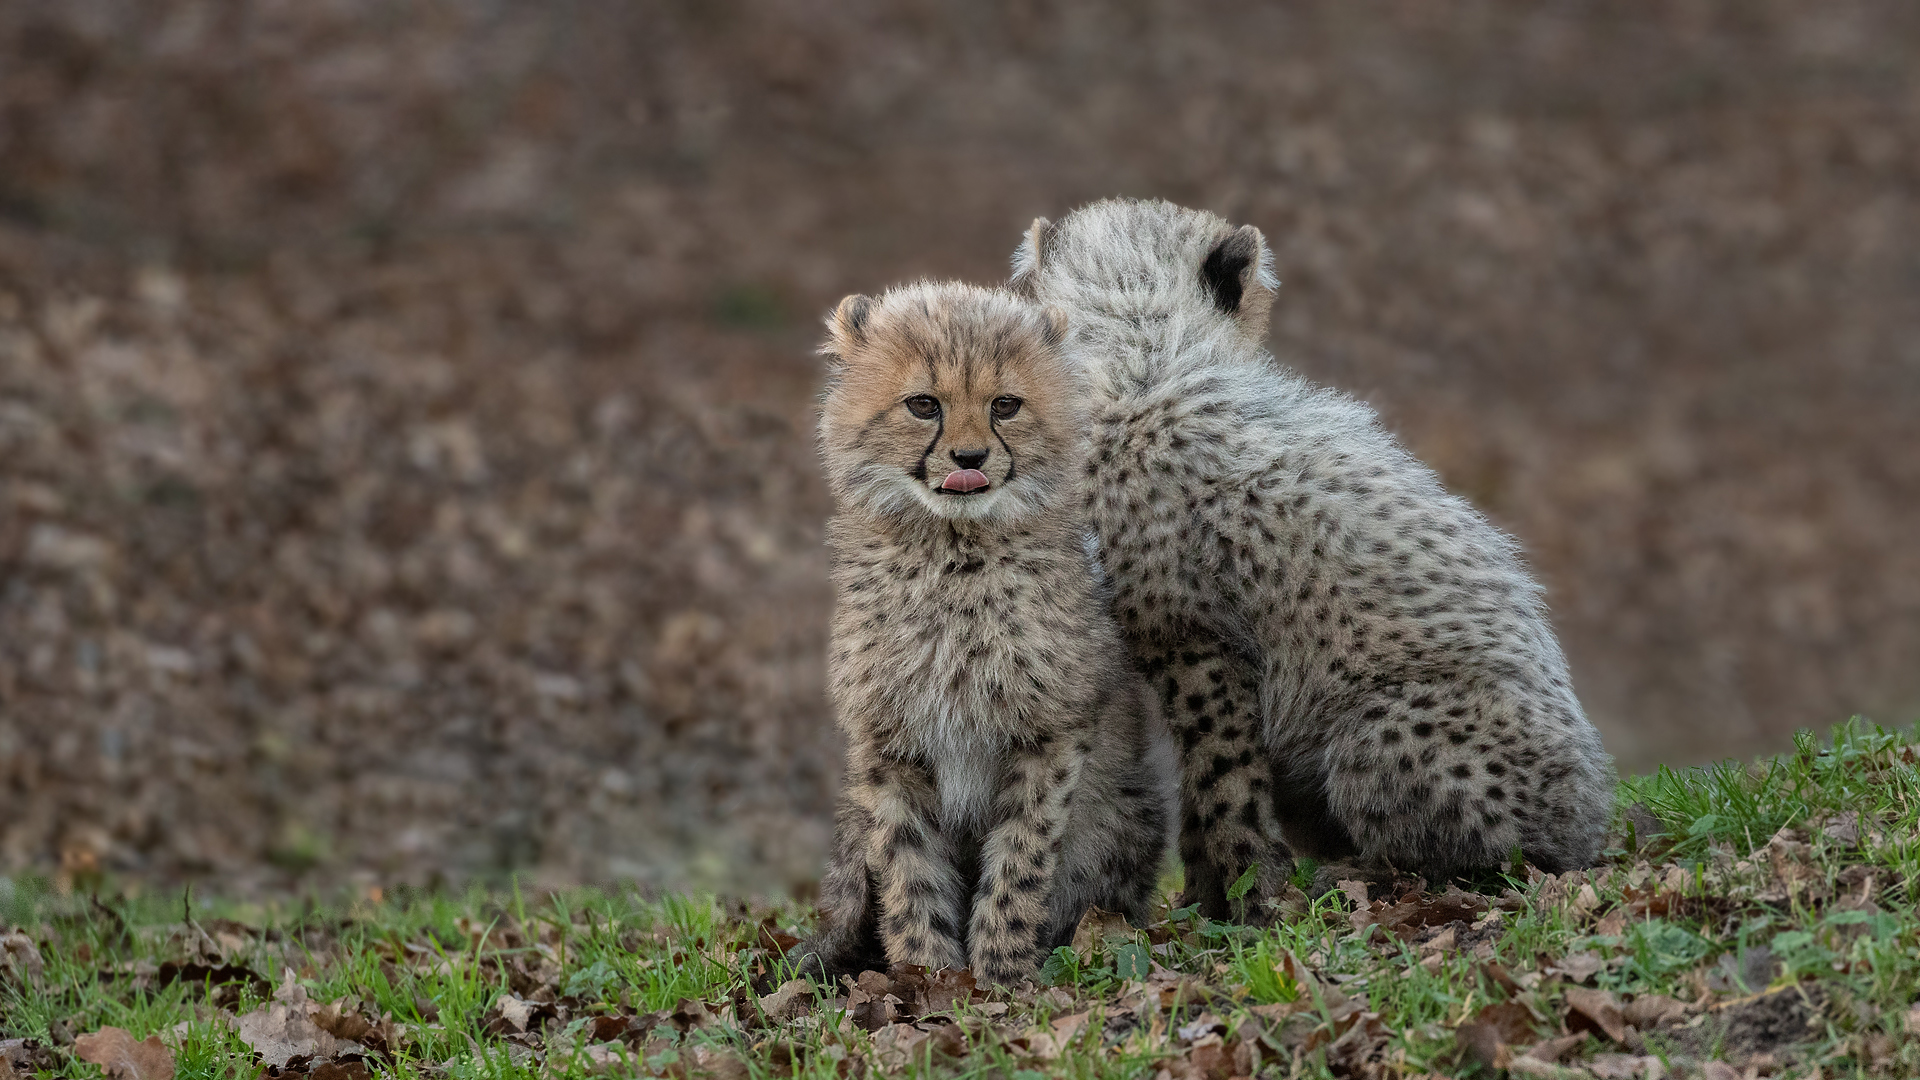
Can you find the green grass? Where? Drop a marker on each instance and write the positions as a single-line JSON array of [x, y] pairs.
[[1696, 901]]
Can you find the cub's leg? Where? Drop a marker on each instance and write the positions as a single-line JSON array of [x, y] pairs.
[[848, 940], [1117, 826], [1115, 869], [1020, 856], [1433, 779], [1211, 698], [913, 863]]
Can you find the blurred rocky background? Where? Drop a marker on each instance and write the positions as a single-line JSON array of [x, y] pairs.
[[406, 472]]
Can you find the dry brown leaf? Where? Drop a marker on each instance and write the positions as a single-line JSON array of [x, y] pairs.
[[1410, 916], [1613, 924], [1678, 879], [1211, 1060], [123, 1057], [775, 940], [1498, 975], [896, 1046], [1480, 1044], [712, 1063], [1577, 966], [1648, 1011], [1489, 1037], [1861, 882], [19, 959], [1365, 1036], [514, 1014], [1280, 1010], [1554, 1050], [1910, 1023], [1101, 929], [1626, 1067], [1050, 1042], [691, 1015], [610, 1057], [283, 1029], [871, 1004], [949, 1039], [28, 1056], [1596, 1010], [909, 983], [1790, 859], [947, 988], [1314, 992], [790, 1000], [900, 1046], [1202, 1026], [1510, 1020], [1434, 951], [343, 1020]]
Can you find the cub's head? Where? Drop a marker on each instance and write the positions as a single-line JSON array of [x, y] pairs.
[[1150, 259], [950, 400]]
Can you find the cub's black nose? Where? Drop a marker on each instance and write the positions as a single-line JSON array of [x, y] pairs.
[[969, 459]]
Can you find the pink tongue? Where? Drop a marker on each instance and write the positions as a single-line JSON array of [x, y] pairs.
[[964, 480]]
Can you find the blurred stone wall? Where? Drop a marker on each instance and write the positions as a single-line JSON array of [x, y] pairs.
[[406, 469]]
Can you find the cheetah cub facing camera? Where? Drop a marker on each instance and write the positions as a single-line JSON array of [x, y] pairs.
[[1354, 662], [1002, 773]]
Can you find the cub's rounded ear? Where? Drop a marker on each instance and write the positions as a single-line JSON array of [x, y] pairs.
[[1053, 322], [1238, 274], [847, 327], [1026, 258]]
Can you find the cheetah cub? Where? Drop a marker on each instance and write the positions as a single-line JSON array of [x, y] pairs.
[[1355, 663], [1002, 773]]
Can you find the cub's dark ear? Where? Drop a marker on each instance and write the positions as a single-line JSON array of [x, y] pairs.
[[847, 328], [1237, 273], [1026, 258]]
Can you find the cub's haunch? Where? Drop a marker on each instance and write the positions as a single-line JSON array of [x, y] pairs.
[[1354, 661], [1002, 770]]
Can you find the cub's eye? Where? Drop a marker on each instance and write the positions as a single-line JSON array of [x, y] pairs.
[[924, 406], [1005, 407]]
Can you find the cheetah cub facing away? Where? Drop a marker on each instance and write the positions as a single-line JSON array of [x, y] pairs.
[[1354, 662], [1002, 773]]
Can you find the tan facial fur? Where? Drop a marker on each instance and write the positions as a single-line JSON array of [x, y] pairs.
[[961, 349]]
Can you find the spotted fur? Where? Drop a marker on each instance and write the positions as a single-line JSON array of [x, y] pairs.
[[1002, 770], [1355, 663]]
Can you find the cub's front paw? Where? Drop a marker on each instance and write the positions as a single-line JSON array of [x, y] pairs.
[[1270, 890], [1247, 897], [932, 955], [1004, 967]]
